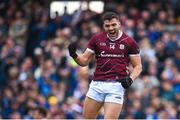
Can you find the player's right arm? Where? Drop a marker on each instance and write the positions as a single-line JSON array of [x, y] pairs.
[[81, 59], [85, 58]]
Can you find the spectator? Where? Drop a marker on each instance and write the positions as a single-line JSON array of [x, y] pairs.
[[39, 113], [18, 29]]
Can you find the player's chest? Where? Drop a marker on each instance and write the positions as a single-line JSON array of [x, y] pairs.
[[112, 47]]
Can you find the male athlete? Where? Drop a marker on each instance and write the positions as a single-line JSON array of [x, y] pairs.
[[114, 50]]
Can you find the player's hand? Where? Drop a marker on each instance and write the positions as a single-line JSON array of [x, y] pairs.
[[72, 50], [126, 82]]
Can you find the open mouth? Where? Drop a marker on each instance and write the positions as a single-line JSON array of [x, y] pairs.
[[112, 32]]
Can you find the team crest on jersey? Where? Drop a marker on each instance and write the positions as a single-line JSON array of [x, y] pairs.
[[121, 46]]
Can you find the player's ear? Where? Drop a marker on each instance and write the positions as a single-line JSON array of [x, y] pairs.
[[103, 25], [119, 23]]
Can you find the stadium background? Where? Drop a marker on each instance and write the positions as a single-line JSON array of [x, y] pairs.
[[36, 70]]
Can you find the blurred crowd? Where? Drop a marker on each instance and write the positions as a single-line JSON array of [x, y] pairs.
[[39, 79]]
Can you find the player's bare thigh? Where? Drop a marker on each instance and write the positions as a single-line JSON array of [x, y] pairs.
[[112, 110], [91, 108]]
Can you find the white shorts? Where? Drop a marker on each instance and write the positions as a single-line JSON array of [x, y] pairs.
[[103, 91]]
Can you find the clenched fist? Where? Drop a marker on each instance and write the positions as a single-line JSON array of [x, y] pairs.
[[72, 50]]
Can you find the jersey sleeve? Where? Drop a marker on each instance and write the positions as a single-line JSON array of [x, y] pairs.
[[92, 45], [134, 48]]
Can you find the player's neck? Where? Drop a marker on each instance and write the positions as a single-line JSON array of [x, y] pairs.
[[115, 37]]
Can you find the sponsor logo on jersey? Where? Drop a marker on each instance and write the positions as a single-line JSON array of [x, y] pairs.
[[103, 54]]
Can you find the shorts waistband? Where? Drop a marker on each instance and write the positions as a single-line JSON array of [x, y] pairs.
[[107, 80]]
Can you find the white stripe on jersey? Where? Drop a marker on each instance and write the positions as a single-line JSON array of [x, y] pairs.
[[90, 50], [134, 55]]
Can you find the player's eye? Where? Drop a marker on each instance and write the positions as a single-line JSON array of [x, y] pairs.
[[107, 25], [114, 24]]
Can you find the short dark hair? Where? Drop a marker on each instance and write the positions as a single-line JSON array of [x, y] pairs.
[[109, 16]]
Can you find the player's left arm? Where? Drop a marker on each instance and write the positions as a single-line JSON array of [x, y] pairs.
[[135, 61]]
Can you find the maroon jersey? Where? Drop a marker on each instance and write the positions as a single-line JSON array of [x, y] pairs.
[[112, 57]]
